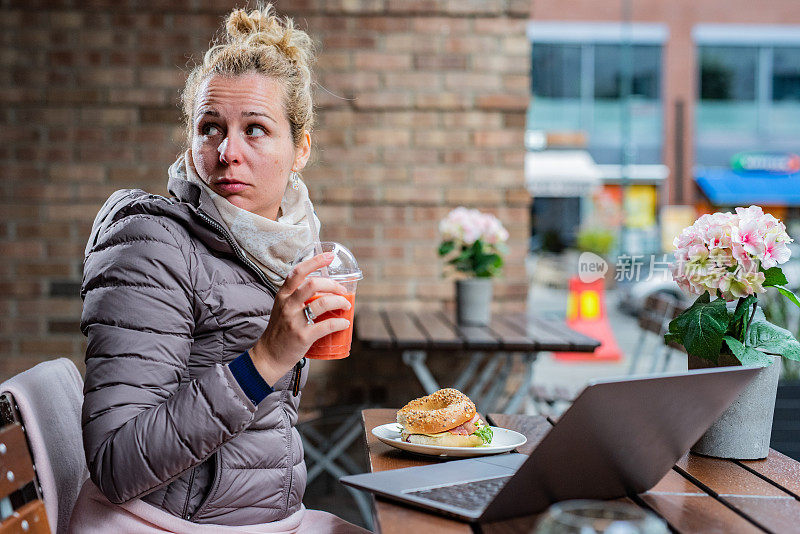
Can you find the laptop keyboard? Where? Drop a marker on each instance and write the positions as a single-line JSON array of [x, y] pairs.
[[471, 495]]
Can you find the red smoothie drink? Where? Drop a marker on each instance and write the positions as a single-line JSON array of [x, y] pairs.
[[343, 270], [336, 345]]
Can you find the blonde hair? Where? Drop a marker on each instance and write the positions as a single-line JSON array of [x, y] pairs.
[[260, 42]]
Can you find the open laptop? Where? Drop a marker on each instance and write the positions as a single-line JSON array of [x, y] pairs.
[[619, 437]]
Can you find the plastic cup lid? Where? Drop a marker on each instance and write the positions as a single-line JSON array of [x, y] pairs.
[[343, 268]]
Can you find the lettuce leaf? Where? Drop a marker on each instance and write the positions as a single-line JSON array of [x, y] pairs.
[[484, 432]]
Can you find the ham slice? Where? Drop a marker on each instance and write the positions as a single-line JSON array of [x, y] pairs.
[[465, 429]]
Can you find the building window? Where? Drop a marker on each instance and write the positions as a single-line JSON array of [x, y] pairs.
[[748, 91], [578, 86], [728, 73], [645, 71], [786, 74], [558, 69]]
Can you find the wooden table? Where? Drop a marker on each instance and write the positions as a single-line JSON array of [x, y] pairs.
[[414, 333], [698, 495]]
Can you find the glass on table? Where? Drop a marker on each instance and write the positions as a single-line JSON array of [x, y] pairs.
[[601, 517]]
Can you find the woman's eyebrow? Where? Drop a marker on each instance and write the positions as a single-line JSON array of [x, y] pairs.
[[258, 114]]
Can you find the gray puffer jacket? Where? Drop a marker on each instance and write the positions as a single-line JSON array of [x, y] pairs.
[[169, 301]]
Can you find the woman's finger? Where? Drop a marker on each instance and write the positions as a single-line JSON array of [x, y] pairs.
[[317, 284], [329, 326], [303, 269], [328, 302]]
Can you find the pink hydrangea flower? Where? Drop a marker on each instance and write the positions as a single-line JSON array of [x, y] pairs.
[[725, 253], [466, 226]]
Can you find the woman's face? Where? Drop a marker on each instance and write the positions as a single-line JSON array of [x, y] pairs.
[[242, 143]]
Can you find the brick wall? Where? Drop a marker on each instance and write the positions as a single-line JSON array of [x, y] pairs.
[[421, 108]]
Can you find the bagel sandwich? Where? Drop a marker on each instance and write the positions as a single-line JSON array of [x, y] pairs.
[[446, 418]]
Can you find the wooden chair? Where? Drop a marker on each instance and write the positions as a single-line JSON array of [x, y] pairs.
[[654, 318], [21, 505], [42, 464]]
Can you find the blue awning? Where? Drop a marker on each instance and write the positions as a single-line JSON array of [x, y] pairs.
[[725, 187]]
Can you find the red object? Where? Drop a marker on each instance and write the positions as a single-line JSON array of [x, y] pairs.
[[586, 313], [335, 345]]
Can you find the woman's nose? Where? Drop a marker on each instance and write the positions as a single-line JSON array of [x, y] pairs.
[[229, 152]]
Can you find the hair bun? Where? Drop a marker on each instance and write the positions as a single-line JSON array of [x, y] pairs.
[[262, 27]]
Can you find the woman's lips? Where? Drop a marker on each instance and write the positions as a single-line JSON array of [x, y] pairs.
[[229, 186]]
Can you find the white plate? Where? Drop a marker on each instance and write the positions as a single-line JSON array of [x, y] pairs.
[[503, 441]]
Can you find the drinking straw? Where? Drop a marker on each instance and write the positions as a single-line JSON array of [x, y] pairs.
[[312, 225]]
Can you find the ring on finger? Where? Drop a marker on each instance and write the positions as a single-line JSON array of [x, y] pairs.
[[309, 315]]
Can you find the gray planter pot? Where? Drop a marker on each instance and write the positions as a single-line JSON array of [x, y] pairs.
[[473, 301], [743, 430]]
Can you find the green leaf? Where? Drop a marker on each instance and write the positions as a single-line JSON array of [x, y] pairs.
[[771, 339], [774, 277], [446, 248], [673, 338], [484, 432], [747, 355], [786, 292], [700, 328]]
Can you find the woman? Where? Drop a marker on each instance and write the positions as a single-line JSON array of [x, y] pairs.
[[196, 322]]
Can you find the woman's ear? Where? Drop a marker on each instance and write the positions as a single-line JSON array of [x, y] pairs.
[[302, 152]]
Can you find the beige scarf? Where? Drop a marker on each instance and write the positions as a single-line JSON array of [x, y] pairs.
[[272, 245]]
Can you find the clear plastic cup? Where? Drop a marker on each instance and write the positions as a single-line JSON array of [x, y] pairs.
[[599, 517], [344, 270]]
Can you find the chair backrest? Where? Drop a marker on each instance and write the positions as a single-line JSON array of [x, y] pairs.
[[46, 402], [21, 506], [658, 310]]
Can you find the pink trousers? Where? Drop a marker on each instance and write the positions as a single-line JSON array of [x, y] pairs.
[[95, 514]]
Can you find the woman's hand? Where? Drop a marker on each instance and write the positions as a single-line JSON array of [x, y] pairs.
[[288, 335]]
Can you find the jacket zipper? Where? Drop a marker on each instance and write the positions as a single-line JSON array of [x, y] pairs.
[[186, 514], [238, 251], [274, 291]]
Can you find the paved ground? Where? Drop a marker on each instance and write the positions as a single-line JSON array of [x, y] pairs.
[[574, 375]]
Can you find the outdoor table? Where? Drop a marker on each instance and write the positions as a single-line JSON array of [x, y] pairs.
[[414, 333], [699, 494]]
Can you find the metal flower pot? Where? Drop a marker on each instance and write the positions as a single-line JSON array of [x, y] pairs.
[[473, 301], [743, 430]]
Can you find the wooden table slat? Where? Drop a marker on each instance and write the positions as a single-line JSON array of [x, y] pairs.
[[543, 336], [726, 477], [749, 494], [476, 337], [697, 513], [780, 469], [440, 332], [405, 330], [776, 514], [577, 341], [510, 337], [673, 482], [370, 328], [675, 494], [555, 331]]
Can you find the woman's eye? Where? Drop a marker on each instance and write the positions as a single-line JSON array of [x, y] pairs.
[[209, 129], [255, 130]]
